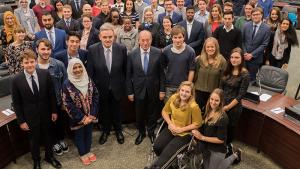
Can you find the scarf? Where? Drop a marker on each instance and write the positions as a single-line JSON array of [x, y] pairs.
[[9, 29], [279, 45], [81, 82]]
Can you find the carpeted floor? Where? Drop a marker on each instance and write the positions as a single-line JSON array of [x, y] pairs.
[[111, 155]]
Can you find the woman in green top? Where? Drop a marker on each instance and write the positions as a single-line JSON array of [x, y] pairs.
[[210, 66], [182, 114], [246, 18]]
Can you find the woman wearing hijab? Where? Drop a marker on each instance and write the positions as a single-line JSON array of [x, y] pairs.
[[7, 33], [80, 97], [27, 18]]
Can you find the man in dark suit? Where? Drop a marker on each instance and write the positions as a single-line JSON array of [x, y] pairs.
[[68, 23], [176, 17], [76, 8], [256, 37], [56, 36], [87, 11], [34, 102], [106, 64], [73, 51], [145, 84], [195, 33]]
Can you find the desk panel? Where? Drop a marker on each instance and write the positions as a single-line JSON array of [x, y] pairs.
[[6, 150]]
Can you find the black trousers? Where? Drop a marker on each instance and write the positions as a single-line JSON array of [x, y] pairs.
[[167, 146], [110, 113], [201, 99], [60, 125], [146, 110], [36, 133]]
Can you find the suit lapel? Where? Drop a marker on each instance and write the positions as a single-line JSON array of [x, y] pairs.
[[151, 60], [139, 59], [24, 81]]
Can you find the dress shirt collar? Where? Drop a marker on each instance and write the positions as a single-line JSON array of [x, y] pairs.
[[258, 25], [169, 13], [228, 30], [143, 51], [52, 30], [105, 49], [205, 14], [190, 23], [28, 76], [67, 20]]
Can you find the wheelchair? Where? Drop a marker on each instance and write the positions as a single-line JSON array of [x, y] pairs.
[[188, 157]]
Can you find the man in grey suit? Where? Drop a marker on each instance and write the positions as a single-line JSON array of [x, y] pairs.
[[145, 84], [194, 34], [256, 37]]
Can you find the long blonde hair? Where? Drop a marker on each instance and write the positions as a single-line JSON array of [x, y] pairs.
[[177, 100], [220, 17], [217, 55], [218, 112]]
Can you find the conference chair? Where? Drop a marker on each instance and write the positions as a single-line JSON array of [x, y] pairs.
[[272, 78]]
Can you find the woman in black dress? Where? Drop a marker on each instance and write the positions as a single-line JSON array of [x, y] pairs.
[[234, 82], [163, 37]]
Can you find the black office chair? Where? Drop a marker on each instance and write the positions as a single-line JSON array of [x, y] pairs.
[[272, 78]]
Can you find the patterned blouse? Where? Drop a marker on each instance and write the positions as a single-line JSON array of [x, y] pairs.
[[134, 17], [77, 106], [13, 54]]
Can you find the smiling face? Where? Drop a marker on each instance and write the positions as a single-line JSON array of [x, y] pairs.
[[180, 4], [20, 36], [148, 17], [43, 51], [59, 6], [86, 22], [210, 48], [178, 40], [190, 15], [202, 5], [168, 6], [67, 13], [129, 5], [167, 24], [115, 17], [29, 65], [9, 20], [24, 3], [87, 9], [73, 43], [215, 13], [256, 16], [77, 70], [107, 37], [284, 26], [214, 101], [248, 9], [228, 20], [185, 93], [127, 25], [274, 15]]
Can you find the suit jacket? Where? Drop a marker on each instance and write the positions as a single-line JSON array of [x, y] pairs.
[[176, 17], [76, 13], [74, 25], [60, 39], [98, 72], [29, 109], [93, 37], [257, 45], [138, 82], [196, 37], [63, 56]]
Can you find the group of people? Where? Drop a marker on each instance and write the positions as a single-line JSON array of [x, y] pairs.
[[198, 60]]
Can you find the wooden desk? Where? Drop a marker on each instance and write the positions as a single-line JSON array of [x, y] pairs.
[[283, 4], [274, 134], [13, 141]]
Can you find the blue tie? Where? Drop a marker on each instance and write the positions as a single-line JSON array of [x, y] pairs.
[[146, 61]]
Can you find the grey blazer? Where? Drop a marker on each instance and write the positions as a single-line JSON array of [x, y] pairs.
[[23, 19], [257, 45]]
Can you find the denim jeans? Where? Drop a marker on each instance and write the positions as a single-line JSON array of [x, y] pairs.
[[83, 139]]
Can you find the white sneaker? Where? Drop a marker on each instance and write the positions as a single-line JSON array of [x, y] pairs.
[[64, 146], [57, 149]]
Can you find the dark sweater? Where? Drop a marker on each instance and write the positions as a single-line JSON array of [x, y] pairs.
[[228, 40]]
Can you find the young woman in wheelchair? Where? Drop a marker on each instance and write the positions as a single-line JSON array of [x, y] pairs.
[[182, 114], [213, 133]]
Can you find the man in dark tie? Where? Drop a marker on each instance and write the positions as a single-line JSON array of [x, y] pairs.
[[256, 37], [106, 64], [67, 23], [76, 8], [145, 84], [34, 102]]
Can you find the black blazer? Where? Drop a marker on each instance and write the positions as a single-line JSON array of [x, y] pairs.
[[138, 82], [63, 56], [74, 25], [29, 109], [196, 39], [96, 23], [93, 37], [76, 13], [98, 72]]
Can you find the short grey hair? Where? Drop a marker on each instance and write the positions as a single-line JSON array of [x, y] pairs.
[[107, 26], [146, 32]]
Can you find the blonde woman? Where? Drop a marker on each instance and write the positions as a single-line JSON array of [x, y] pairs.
[[182, 114], [215, 19], [210, 66], [212, 134]]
